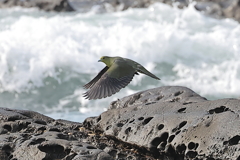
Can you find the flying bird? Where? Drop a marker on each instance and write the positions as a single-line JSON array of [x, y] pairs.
[[117, 74]]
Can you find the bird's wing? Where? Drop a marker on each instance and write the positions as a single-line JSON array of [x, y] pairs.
[[94, 80], [115, 78]]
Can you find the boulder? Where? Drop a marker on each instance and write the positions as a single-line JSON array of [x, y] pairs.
[[170, 122], [174, 122], [30, 135]]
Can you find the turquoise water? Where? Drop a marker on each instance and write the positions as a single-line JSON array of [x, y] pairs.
[[47, 57]]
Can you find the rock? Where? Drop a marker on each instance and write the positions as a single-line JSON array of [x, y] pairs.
[[30, 135], [55, 145], [47, 5], [170, 122], [174, 123], [210, 8], [163, 94], [213, 8], [220, 9], [232, 10], [107, 5]]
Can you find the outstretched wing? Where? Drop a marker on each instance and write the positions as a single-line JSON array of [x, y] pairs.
[[107, 86], [118, 76], [94, 80]]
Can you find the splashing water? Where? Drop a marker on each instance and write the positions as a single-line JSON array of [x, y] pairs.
[[46, 58]]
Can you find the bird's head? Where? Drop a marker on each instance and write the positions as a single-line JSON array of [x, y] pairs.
[[107, 60]]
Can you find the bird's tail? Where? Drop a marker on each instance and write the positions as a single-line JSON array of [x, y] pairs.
[[145, 71]]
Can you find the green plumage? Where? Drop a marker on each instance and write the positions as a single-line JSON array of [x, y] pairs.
[[116, 75]]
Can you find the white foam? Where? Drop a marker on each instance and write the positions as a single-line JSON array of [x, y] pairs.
[[182, 47]]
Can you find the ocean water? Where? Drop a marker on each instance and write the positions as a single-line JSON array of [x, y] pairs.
[[46, 57]]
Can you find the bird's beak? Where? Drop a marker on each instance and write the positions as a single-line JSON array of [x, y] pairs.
[[99, 60]]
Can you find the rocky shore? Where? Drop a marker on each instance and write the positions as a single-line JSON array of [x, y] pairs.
[[170, 122], [213, 8]]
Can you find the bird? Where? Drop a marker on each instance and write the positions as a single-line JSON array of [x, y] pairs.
[[117, 74]]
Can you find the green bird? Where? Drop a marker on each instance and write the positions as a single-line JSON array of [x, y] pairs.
[[117, 74]]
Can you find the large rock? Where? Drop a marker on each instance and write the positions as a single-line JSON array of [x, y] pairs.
[[174, 122], [29, 135], [166, 123]]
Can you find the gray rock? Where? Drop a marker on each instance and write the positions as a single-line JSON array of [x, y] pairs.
[[220, 9], [55, 145], [12, 115], [29, 135], [47, 5], [100, 6], [210, 8], [170, 122], [174, 122], [232, 10], [162, 94]]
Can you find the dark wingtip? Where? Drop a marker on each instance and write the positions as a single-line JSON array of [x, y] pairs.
[[85, 95], [86, 86], [155, 77], [89, 97]]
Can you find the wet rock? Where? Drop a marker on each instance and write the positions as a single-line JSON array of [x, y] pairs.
[[47, 5], [220, 9], [174, 122], [107, 5]]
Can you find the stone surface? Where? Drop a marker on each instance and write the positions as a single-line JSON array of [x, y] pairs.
[[165, 123], [30, 135], [176, 123], [27, 135]]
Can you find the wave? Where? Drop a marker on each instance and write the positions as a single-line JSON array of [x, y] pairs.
[[45, 58]]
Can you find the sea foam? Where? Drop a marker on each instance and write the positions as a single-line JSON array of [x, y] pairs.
[[45, 58]]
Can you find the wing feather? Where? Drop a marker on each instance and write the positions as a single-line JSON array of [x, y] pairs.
[[94, 80], [110, 80], [107, 86]]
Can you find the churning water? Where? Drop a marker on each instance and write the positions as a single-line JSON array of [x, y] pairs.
[[46, 57]]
